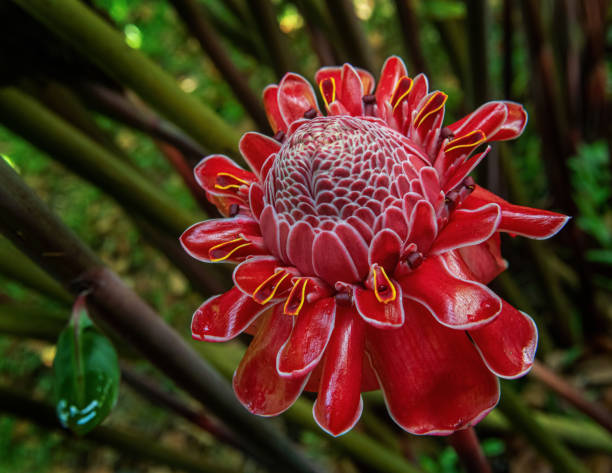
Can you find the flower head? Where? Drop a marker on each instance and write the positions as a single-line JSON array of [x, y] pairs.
[[364, 248]]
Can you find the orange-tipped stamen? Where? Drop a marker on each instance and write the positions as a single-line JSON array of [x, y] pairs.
[[382, 286], [327, 87], [466, 141], [426, 111], [265, 286], [402, 89], [229, 243], [290, 308], [229, 186]]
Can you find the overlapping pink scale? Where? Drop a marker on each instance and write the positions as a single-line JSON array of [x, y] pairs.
[[364, 251]]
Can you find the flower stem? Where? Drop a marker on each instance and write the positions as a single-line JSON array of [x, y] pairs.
[[206, 35], [409, 24], [135, 444], [466, 444], [596, 411], [545, 441], [46, 240], [99, 42]]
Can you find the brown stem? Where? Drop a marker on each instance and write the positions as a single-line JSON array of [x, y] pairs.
[[410, 31], [352, 34], [46, 240], [466, 444], [264, 16], [117, 106], [574, 396], [134, 444], [148, 389], [202, 30], [319, 31]]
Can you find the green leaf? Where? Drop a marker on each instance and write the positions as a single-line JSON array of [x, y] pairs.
[[86, 373]]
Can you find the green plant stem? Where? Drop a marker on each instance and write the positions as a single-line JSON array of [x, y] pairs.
[[598, 412], [576, 432], [202, 30], [100, 43], [360, 447], [14, 266], [46, 240], [31, 321], [263, 13], [544, 440], [26, 117], [409, 24], [135, 444], [353, 36]]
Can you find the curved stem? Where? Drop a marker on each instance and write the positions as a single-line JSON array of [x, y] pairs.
[[594, 410], [99, 42], [544, 440], [466, 444]]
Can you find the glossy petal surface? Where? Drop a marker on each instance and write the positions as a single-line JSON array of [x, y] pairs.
[[432, 377], [256, 383]]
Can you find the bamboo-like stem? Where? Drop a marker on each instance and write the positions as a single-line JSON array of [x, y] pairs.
[[135, 444], [31, 321], [118, 107], [410, 30], [508, 34], [200, 276], [545, 441], [352, 34], [148, 389], [574, 396], [99, 42], [264, 15], [361, 448], [478, 41], [454, 43], [583, 434], [14, 266], [323, 37], [26, 117], [203, 31], [47, 241], [466, 444]]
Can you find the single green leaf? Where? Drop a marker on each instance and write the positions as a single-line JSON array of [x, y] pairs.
[[86, 373]]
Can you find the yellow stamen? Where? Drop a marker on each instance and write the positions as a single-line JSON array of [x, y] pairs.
[[399, 100], [261, 286], [388, 283], [304, 282], [451, 146], [333, 97], [419, 120], [230, 186], [230, 253]]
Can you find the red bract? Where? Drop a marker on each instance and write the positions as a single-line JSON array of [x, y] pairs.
[[364, 248]]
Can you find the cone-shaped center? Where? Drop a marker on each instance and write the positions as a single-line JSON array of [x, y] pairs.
[[333, 168], [335, 184]]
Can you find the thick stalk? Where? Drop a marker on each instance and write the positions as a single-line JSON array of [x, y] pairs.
[[545, 441], [319, 31], [31, 321], [579, 433], [14, 266], [118, 107], [101, 44], [594, 410], [352, 34], [134, 444], [53, 246], [203, 31], [21, 114], [148, 389], [409, 24], [264, 16], [466, 444]]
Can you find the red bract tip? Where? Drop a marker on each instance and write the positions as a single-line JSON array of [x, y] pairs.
[[365, 248]]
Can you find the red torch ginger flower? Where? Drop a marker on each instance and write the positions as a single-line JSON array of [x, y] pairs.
[[364, 248]]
